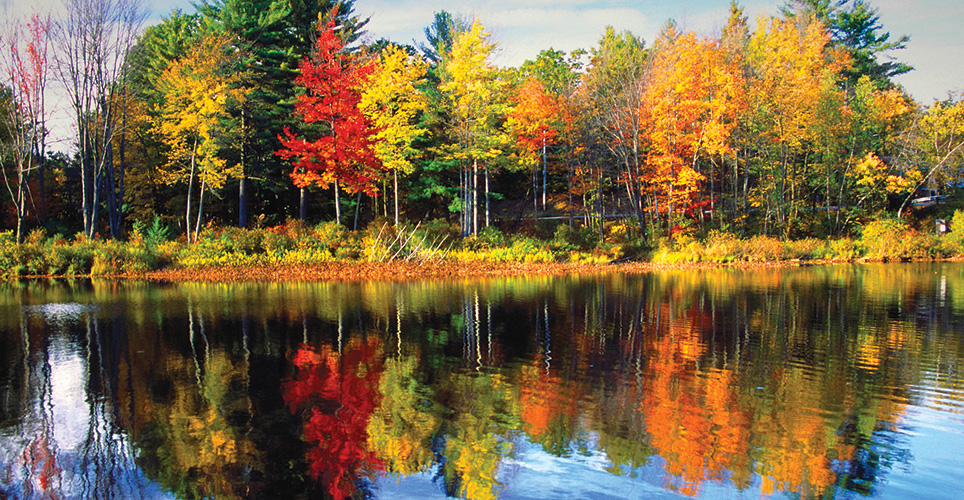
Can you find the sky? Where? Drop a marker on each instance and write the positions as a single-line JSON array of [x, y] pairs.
[[523, 28]]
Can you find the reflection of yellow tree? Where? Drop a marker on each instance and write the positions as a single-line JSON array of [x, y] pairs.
[[483, 415], [794, 441], [401, 429], [198, 439]]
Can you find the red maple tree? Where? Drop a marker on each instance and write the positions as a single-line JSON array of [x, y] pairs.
[[344, 152]]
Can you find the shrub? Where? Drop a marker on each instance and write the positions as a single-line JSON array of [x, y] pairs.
[[952, 243], [765, 249], [843, 249], [568, 239], [882, 239], [723, 247]]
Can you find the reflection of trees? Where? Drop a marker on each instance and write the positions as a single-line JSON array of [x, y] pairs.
[[789, 380], [67, 439], [402, 427], [336, 393], [188, 424], [694, 416], [481, 414]]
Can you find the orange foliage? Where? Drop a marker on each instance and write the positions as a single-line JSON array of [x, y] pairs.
[[696, 422], [535, 118], [543, 399], [692, 102]]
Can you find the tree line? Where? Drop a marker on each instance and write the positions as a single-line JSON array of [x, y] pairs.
[[251, 112]]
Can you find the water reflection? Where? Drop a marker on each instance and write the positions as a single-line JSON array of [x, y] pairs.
[[815, 382]]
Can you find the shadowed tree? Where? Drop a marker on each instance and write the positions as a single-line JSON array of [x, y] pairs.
[[95, 37]]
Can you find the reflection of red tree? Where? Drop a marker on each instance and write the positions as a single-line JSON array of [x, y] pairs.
[[337, 392], [43, 465]]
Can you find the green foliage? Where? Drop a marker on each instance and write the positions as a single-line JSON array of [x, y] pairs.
[[570, 239], [952, 243]]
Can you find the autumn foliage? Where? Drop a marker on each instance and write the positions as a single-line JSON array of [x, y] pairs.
[[343, 150]]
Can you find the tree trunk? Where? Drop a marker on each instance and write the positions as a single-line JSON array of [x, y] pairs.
[[487, 211], [544, 168], [303, 203], [242, 199], [243, 181], [358, 209], [20, 205], [200, 210], [535, 194], [337, 205], [395, 191], [475, 197], [190, 190]]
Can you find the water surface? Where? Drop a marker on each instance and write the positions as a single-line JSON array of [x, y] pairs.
[[830, 382]]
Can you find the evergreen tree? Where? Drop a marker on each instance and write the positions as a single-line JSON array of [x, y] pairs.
[[855, 26]]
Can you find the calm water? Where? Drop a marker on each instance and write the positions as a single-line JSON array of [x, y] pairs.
[[833, 382]]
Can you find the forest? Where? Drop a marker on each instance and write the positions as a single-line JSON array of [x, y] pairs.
[[258, 131]]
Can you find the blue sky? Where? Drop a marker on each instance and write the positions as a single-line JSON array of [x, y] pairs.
[[522, 29]]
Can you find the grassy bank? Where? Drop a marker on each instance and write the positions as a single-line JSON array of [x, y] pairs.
[[330, 251]]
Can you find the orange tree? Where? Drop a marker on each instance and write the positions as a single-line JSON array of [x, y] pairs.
[[533, 121], [691, 104]]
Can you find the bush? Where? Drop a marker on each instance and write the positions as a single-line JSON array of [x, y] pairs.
[[568, 239], [520, 249], [723, 247], [883, 239], [843, 249], [952, 243]]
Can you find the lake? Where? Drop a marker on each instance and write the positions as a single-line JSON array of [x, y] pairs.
[[839, 381]]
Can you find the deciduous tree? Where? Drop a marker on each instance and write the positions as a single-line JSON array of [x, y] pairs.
[[473, 90], [198, 89], [343, 154], [692, 102], [95, 37], [24, 66], [393, 102], [534, 120]]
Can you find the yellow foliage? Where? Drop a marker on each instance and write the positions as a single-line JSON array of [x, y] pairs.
[[198, 89], [393, 102]]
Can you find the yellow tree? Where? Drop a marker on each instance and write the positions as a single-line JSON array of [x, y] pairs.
[[198, 90], [937, 136], [472, 87], [393, 102], [790, 61], [691, 106]]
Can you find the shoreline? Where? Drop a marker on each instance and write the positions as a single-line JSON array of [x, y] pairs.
[[400, 271], [411, 271]]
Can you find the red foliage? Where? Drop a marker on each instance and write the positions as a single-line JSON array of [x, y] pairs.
[[337, 394], [345, 153]]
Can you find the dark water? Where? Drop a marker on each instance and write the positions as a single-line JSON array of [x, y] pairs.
[[833, 382]]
